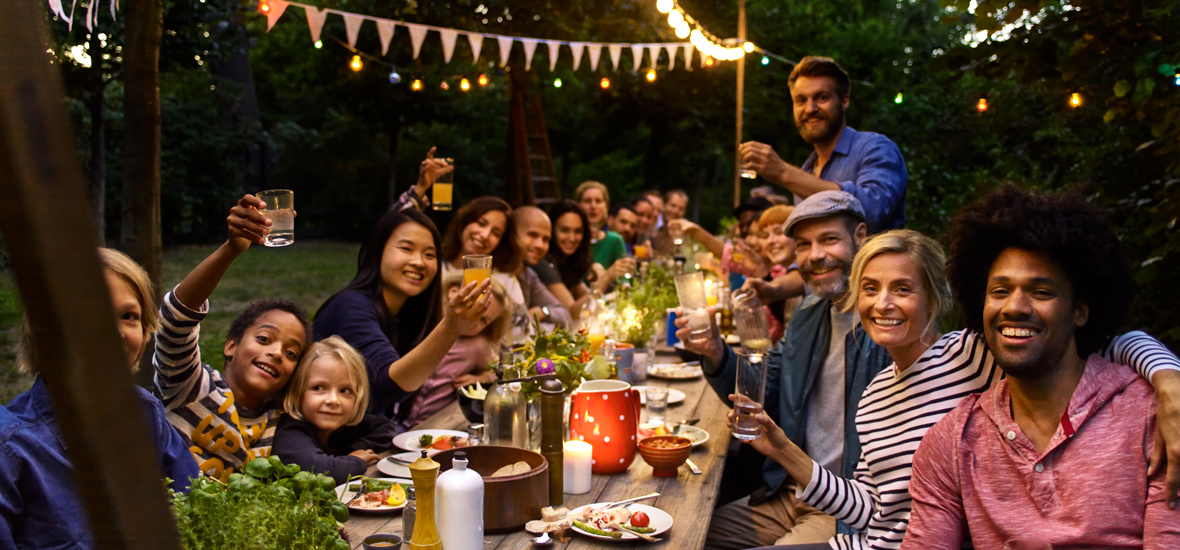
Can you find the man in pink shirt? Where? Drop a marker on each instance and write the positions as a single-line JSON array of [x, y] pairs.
[[1056, 455]]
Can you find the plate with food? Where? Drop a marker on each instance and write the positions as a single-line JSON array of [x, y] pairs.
[[367, 494], [594, 521], [431, 440], [674, 396], [697, 435], [677, 371]]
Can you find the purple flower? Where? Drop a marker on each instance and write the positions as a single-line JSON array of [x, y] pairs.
[[544, 366]]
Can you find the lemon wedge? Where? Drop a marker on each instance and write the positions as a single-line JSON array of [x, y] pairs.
[[397, 495]]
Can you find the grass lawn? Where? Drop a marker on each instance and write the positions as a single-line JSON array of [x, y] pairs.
[[306, 272]]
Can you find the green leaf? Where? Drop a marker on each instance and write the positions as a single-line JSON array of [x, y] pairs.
[[1121, 88], [1143, 89], [1109, 116]]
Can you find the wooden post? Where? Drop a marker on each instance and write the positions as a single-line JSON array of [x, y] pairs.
[[741, 92], [48, 227]]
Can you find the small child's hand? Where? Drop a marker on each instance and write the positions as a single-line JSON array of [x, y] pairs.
[[366, 455]]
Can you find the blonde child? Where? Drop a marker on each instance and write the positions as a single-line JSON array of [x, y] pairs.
[[466, 361], [325, 428]]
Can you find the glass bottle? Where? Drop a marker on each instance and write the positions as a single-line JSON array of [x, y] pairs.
[[475, 435], [409, 513], [505, 409]]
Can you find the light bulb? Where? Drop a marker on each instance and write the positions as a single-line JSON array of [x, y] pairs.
[[483, 80], [981, 106], [765, 60], [675, 18], [898, 98], [416, 85], [556, 82], [748, 46], [318, 44], [356, 63], [651, 75], [664, 6], [604, 83], [444, 85], [709, 62], [464, 84], [394, 78], [263, 7], [1075, 100], [682, 32]]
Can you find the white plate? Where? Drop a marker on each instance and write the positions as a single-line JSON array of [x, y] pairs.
[[661, 521], [409, 440], [344, 494], [399, 469], [675, 371], [674, 396], [697, 435]]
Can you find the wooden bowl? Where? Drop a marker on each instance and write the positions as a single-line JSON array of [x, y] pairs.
[[510, 501], [664, 461]]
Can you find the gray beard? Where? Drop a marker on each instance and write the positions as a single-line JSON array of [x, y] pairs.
[[829, 289]]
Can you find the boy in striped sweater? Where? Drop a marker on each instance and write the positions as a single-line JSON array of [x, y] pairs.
[[227, 418]]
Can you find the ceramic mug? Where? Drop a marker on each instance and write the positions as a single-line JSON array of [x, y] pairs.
[[605, 414], [624, 360]]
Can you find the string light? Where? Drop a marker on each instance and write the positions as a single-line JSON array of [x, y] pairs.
[[1075, 100], [445, 86], [318, 44], [682, 32], [556, 82], [981, 106], [604, 83], [356, 63], [394, 78], [765, 60], [675, 18], [898, 99], [664, 6], [651, 75], [1178, 77], [416, 85], [483, 80], [709, 45], [264, 7], [748, 46], [464, 84], [709, 62]]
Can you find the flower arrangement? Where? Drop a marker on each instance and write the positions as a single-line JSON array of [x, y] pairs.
[[562, 352], [643, 306]]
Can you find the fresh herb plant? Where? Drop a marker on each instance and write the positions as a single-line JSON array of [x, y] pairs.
[[641, 307]]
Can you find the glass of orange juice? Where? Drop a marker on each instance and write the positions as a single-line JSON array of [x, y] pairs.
[[596, 341], [641, 251], [444, 189], [476, 267]]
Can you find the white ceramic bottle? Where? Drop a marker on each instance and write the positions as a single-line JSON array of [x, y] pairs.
[[460, 506]]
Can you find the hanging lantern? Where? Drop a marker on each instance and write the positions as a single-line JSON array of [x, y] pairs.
[[675, 18], [464, 84], [483, 80], [356, 64], [604, 83], [981, 106]]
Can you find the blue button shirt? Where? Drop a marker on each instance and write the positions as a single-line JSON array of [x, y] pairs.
[[870, 167], [39, 507]]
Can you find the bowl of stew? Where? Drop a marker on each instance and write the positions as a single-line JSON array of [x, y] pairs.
[[665, 453]]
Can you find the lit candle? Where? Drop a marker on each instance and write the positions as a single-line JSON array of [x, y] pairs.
[[576, 467]]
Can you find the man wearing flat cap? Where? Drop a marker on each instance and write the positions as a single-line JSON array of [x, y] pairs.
[[865, 164], [816, 375]]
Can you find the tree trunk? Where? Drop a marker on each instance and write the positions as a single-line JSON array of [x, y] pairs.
[[98, 145], [140, 233]]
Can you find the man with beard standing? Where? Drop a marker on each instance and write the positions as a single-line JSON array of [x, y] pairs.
[[865, 164], [817, 373]]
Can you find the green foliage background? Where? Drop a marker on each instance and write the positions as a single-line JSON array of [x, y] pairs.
[[343, 139]]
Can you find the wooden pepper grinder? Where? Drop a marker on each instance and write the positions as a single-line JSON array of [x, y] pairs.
[[552, 425], [425, 536]]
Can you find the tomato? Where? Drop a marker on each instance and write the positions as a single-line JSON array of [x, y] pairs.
[[639, 519]]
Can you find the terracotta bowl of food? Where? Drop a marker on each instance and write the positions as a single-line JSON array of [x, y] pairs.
[[665, 453], [509, 500]]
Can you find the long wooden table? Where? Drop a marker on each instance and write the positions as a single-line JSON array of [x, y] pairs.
[[688, 498]]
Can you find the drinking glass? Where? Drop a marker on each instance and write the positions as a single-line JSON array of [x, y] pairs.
[[476, 267], [750, 394], [280, 210], [690, 288], [657, 403], [444, 188], [749, 318], [749, 174]]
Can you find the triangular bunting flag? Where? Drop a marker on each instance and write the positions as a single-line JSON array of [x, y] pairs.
[[315, 21], [616, 54], [577, 48], [505, 48], [688, 57], [448, 39], [653, 53], [275, 9], [90, 17], [352, 26], [595, 52], [672, 51], [530, 47], [636, 57], [417, 35], [56, 9], [385, 31], [476, 41], [73, 7], [553, 51], [114, 7]]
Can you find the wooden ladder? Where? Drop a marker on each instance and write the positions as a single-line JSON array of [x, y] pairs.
[[533, 178]]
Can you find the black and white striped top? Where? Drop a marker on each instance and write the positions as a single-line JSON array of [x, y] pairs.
[[897, 409]]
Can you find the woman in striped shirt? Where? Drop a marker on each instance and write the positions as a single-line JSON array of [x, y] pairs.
[[898, 287]]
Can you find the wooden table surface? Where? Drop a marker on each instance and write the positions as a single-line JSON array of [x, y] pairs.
[[688, 498]]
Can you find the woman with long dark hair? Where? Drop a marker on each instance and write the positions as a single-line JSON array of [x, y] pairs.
[[391, 311], [564, 269], [485, 226]]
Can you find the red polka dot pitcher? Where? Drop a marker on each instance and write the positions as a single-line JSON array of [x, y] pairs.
[[605, 414]]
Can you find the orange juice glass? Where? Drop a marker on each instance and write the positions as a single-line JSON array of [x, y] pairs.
[[476, 267], [641, 251], [596, 341]]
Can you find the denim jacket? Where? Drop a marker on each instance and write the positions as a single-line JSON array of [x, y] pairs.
[[39, 507], [793, 367]]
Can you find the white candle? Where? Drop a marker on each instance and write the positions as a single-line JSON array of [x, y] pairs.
[[576, 467]]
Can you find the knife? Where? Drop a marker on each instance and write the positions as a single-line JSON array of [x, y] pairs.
[[695, 471], [629, 501]]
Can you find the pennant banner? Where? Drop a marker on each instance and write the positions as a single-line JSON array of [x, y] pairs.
[[505, 48], [595, 52], [352, 26], [448, 40], [577, 48], [530, 47], [672, 52], [417, 35], [554, 49], [637, 57], [653, 53], [275, 9], [476, 41], [385, 31], [616, 54], [315, 21]]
